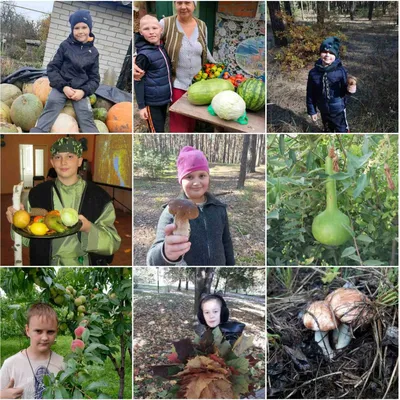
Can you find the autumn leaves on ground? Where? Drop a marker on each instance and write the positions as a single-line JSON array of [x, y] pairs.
[[245, 210], [161, 319]]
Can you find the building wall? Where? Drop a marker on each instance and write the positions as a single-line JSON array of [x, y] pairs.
[[112, 27], [238, 8]]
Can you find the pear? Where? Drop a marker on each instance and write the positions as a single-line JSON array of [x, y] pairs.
[[54, 222]]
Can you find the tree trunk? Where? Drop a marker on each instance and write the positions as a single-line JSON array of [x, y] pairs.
[[216, 284], [179, 285], [204, 277], [125, 77], [158, 280], [321, 5], [253, 154], [302, 11], [370, 9], [352, 10], [187, 284], [277, 24], [288, 9], [243, 162]]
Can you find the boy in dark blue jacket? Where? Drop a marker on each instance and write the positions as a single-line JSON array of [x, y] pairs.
[[73, 74], [154, 90], [327, 87]]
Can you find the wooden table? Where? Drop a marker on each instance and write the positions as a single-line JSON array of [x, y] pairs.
[[256, 119]]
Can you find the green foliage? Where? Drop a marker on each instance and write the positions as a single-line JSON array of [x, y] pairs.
[[304, 42], [296, 194]]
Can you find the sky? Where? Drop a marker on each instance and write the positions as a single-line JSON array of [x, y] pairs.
[[46, 6]]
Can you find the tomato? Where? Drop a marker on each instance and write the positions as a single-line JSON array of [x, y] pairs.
[[39, 218]]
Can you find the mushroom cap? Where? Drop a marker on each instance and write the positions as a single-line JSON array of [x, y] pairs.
[[350, 306], [319, 317], [183, 209]]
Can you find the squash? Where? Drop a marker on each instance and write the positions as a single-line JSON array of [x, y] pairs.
[[8, 93], [64, 124], [202, 93], [329, 227], [25, 111], [4, 113], [41, 88], [119, 117]]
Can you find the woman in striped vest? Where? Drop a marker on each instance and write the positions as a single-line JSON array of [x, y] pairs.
[[185, 40]]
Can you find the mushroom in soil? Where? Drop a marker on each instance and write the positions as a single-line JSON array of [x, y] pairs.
[[320, 318], [352, 308], [183, 210]]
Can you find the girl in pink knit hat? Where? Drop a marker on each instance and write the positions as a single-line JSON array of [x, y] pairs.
[[210, 241]]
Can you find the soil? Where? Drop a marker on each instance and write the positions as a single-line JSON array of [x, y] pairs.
[[372, 53], [246, 211], [367, 368]]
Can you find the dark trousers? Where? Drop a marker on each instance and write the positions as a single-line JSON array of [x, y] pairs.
[[157, 117], [55, 103], [335, 123]]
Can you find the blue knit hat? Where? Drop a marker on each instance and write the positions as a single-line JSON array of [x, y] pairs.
[[331, 44], [81, 16]]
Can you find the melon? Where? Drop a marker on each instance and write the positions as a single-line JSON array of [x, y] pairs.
[[202, 93], [5, 127], [25, 111], [92, 99], [101, 126], [100, 114], [42, 89], [69, 110], [65, 124], [252, 91], [27, 87], [4, 112], [103, 103], [8, 93], [119, 117]]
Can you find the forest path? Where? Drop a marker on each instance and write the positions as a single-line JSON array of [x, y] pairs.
[[246, 211], [372, 53]]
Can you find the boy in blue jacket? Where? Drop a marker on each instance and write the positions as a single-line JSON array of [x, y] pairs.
[[73, 74], [154, 90], [327, 87]]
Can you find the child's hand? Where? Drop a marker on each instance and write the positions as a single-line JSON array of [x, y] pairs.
[[175, 246], [143, 113], [137, 72], [78, 95], [10, 392], [314, 117], [68, 91], [86, 224], [11, 211]]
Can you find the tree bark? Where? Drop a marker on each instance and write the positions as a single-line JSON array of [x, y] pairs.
[[352, 10], [321, 5], [277, 24], [179, 285], [253, 154], [288, 9], [243, 162], [370, 9], [204, 277]]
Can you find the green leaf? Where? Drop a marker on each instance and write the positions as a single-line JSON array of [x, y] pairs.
[[93, 346], [77, 394], [68, 372], [373, 263], [217, 334], [358, 162], [364, 238], [46, 380], [240, 384], [86, 335], [96, 385], [48, 280], [241, 364], [47, 394], [95, 359], [65, 393], [273, 214], [292, 155], [224, 348], [340, 176], [361, 184], [355, 258], [310, 160], [348, 229], [348, 251], [282, 144], [95, 331], [58, 394]]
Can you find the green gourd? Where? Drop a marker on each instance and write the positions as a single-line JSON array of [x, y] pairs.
[[329, 227]]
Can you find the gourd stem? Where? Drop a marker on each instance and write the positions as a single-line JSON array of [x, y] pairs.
[[331, 199]]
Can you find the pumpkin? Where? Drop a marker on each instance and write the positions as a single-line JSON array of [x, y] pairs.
[[65, 124], [5, 127], [69, 110], [27, 87], [119, 117], [101, 126], [4, 112], [42, 89], [25, 111], [8, 93]]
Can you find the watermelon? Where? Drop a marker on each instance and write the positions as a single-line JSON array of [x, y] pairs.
[[25, 111], [100, 114], [252, 91], [202, 93]]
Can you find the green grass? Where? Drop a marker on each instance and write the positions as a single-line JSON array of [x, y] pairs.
[[105, 373]]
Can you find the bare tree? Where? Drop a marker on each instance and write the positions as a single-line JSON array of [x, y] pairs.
[[251, 166], [288, 9], [204, 277], [321, 6], [243, 162], [370, 9], [352, 10], [277, 24]]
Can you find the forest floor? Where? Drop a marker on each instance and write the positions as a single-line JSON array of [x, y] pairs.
[[246, 211], [296, 367], [372, 57], [161, 319]]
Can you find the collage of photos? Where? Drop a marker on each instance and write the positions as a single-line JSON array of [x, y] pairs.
[[199, 199]]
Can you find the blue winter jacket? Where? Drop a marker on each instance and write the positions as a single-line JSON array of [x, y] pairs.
[[155, 88], [327, 90], [76, 65]]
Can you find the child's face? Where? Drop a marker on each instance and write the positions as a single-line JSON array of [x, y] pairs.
[[212, 312], [195, 185], [327, 58], [42, 332], [151, 30], [66, 164], [81, 32]]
